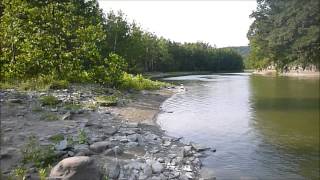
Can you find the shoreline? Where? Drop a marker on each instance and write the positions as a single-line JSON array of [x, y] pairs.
[[136, 142], [307, 74]]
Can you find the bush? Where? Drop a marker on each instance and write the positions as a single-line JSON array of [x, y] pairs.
[[138, 82], [49, 100], [59, 84]]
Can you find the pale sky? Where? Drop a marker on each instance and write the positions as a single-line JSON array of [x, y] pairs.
[[220, 23]]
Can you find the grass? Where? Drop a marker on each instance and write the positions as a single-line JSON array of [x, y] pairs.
[[49, 100], [107, 100], [82, 137], [48, 116], [56, 138], [72, 107], [40, 156], [138, 82], [59, 84]]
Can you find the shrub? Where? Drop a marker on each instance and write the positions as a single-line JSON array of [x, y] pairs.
[[82, 137], [48, 116], [72, 107], [59, 84], [138, 82], [49, 100]]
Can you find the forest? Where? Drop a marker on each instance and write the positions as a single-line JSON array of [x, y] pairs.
[[285, 34], [75, 41]]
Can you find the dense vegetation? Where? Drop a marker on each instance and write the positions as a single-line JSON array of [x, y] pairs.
[[244, 51], [285, 33], [73, 40]]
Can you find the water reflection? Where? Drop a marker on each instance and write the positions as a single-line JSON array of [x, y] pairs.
[[261, 126]]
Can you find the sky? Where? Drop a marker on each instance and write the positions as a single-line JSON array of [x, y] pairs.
[[220, 23]]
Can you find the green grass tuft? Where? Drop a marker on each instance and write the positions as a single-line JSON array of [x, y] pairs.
[[107, 100], [56, 138], [49, 100], [59, 84]]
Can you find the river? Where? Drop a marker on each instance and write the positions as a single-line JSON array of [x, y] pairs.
[[262, 127]]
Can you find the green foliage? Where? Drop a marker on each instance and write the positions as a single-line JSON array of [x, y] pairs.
[[20, 173], [82, 137], [40, 156], [138, 82], [49, 100], [43, 172], [107, 100], [56, 138], [59, 84], [284, 34]]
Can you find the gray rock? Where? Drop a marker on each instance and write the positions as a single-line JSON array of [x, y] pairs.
[[157, 167], [132, 137], [114, 171], [150, 136], [110, 130], [147, 171], [99, 147], [75, 168], [66, 116], [116, 151], [15, 101], [132, 144], [62, 145], [199, 147]]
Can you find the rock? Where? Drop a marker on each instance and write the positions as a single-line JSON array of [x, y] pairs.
[[110, 130], [207, 174], [132, 137], [150, 136], [199, 147], [7, 153], [99, 147], [187, 151], [167, 143], [62, 145], [19, 101], [161, 160], [70, 153], [132, 144], [116, 151], [187, 168], [66, 116], [114, 171], [147, 171], [75, 168], [157, 167]]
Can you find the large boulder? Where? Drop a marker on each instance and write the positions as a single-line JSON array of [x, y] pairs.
[[75, 168]]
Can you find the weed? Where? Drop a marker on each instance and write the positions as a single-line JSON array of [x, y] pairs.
[[37, 109], [56, 138], [20, 173], [40, 156], [107, 100], [49, 100], [82, 137]]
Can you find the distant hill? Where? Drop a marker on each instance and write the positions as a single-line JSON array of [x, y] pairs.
[[242, 50]]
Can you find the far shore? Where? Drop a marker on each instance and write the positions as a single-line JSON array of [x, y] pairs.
[[315, 74]]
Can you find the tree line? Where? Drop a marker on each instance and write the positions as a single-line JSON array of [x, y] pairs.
[[76, 41], [285, 34]]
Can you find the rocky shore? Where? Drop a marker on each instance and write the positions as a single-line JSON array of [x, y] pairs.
[[112, 138]]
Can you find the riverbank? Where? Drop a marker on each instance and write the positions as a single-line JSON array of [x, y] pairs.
[[292, 73], [122, 138]]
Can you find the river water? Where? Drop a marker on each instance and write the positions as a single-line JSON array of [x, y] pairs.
[[262, 127]]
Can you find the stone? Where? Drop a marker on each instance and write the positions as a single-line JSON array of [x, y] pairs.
[[132, 137], [199, 147], [62, 145], [187, 151], [116, 151], [15, 101], [110, 130], [99, 147], [66, 116], [75, 168], [157, 167], [150, 136], [161, 160], [114, 171], [132, 144], [147, 170], [187, 168]]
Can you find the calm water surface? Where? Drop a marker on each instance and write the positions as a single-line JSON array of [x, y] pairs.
[[262, 127]]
